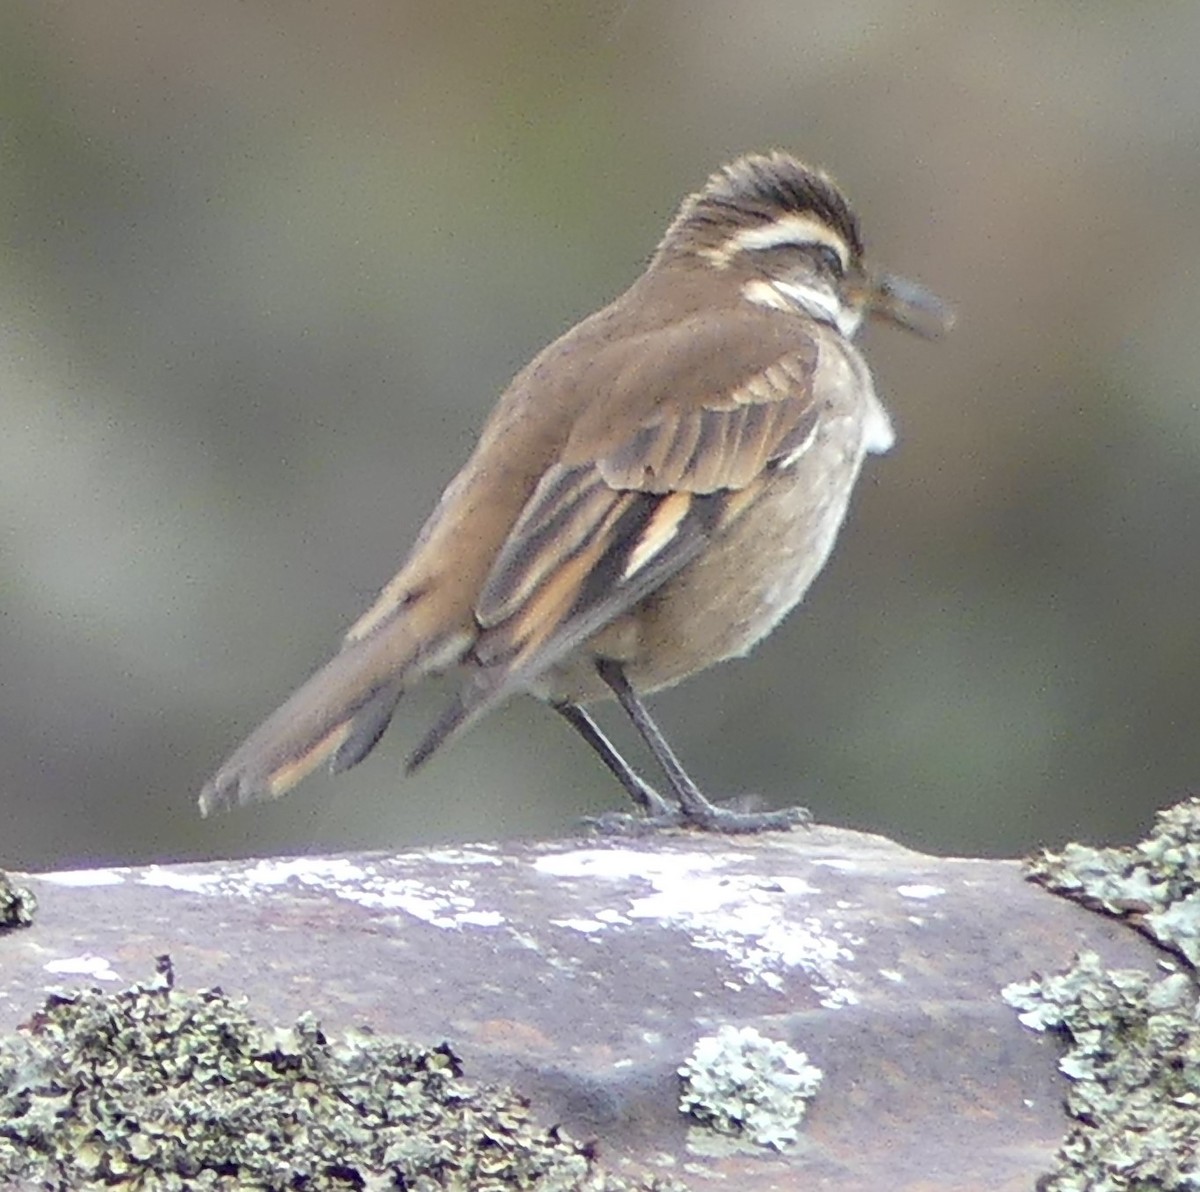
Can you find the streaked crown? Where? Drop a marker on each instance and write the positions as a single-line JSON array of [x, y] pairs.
[[762, 201]]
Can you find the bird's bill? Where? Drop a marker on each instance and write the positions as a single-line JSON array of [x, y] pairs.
[[909, 305]]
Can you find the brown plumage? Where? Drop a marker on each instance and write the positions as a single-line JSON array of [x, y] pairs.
[[651, 494]]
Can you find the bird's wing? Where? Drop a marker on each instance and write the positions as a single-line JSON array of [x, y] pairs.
[[652, 471], [678, 431]]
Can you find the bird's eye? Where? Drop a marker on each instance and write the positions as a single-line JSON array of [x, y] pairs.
[[829, 259]]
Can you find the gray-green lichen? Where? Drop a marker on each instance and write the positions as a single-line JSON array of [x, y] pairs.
[[156, 1088], [17, 904], [1133, 1056], [739, 1083], [1154, 883], [1133, 1061]]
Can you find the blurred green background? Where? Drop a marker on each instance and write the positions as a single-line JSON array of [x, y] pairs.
[[265, 267]]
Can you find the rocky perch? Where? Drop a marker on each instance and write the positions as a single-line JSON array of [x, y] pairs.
[[817, 1009]]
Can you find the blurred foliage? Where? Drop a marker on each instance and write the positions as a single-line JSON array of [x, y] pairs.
[[268, 265]]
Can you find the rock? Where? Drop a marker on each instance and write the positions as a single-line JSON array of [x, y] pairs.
[[583, 972]]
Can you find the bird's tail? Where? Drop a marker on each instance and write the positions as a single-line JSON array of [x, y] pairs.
[[337, 715]]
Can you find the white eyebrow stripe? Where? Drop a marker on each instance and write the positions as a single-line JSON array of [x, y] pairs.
[[790, 229]]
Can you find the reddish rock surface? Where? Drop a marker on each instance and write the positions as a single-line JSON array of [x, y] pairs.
[[583, 971]]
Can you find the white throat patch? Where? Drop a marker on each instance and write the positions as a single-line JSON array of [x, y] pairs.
[[812, 300]]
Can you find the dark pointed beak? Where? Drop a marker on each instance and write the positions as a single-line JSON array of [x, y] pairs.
[[909, 305]]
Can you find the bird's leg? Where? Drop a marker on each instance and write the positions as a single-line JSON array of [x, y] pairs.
[[695, 808], [653, 805]]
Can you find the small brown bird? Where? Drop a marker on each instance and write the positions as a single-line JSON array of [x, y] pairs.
[[652, 494]]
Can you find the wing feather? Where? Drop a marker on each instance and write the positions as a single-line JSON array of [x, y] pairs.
[[681, 439], [564, 515], [631, 504], [602, 532]]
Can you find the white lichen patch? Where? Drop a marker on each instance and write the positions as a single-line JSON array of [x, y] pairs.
[[449, 905], [756, 921], [839, 864], [629, 863], [737, 1082], [86, 877], [186, 881], [583, 926], [920, 892], [477, 854], [96, 967]]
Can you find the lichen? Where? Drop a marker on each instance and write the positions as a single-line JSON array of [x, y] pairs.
[[1133, 1062], [737, 1082], [157, 1088], [1155, 884], [17, 904], [1133, 1056]]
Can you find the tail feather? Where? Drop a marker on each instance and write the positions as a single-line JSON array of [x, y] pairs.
[[473, 699], [338, 715], [452, 721], [370, 722]]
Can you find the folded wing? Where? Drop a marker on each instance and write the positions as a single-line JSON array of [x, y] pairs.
[[625, 512]]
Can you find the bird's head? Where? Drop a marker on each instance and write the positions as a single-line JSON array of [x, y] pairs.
[[783, 233]]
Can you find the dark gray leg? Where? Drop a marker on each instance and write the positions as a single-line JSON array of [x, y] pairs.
[[653, 805], [696, 809]]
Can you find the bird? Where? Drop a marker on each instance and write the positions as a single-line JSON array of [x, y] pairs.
[[651, 495]]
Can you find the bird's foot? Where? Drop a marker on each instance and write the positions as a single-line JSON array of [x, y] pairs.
[[734, 818], [738, 820]]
